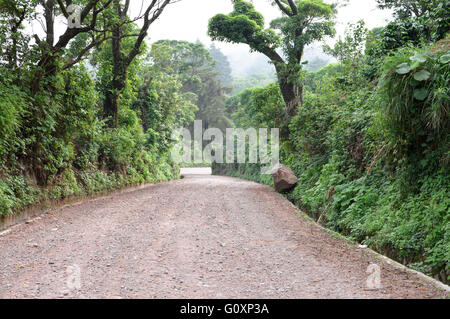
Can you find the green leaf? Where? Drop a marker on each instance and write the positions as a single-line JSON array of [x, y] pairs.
[[445, 58], [403, 68], [422, 75], [421, 94], [419, 58]]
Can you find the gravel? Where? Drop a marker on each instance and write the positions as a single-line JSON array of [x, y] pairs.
[[199, 237]]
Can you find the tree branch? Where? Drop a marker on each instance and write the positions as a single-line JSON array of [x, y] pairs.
[[83, 52], [147, 22], [293, 7], [63, 8], [283, 8]]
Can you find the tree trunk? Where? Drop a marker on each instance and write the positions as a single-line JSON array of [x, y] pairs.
[[111, 109], [111, 103], [122, 61], [292, 94], [291, 91]]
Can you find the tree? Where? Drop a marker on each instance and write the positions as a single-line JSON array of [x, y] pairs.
[[350, 50], [13, 41], [87, 17], [407, 8], [196, 70], [121, 59], [302, 23], [161, 103], [254, 80], [222, 65], [416, 21], [257, 107], [190, 61]]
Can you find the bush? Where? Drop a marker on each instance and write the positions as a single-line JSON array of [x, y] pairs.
[[414, 97]]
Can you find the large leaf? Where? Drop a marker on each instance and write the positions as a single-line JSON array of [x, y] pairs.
[[403, 68], [422, 75], [445, 58], [419, 58], [421, 94]]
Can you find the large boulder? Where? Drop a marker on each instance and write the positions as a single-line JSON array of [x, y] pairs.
[[284, 178]]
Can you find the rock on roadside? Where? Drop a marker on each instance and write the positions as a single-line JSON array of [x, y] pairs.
[[284, 178]]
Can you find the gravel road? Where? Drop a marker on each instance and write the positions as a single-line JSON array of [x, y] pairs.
[[199, 237]]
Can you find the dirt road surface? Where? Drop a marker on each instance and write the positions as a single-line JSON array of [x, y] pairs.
[[199, 237]]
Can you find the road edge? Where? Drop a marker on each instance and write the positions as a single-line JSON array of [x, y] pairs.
[[8, 223], [434, 282]]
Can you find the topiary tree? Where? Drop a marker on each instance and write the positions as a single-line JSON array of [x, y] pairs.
[[302, 22]]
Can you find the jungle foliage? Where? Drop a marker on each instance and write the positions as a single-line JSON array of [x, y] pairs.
[[95, 109], [370, 143]]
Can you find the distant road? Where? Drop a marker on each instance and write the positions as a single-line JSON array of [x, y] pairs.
[[199, 237], [195, 171]]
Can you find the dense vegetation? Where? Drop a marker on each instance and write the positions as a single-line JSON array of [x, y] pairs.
[[94, 110], [370, 141]]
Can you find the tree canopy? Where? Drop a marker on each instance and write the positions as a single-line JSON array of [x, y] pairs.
[[303, 22]]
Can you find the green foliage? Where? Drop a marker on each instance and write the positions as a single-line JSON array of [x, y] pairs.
[[255, 80], [371, 160], [303, 22], [12, 105], [414, 97], [418, 23], [323, 76], [15, 193], [193, 66], [239, 27], [258, 107], [350, 50], [53, 144], [310, 22]]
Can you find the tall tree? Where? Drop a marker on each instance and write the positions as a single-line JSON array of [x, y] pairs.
[[13, 41], [350, 50], [87, 21], [417, 21], [121, 59], [303, 22]]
